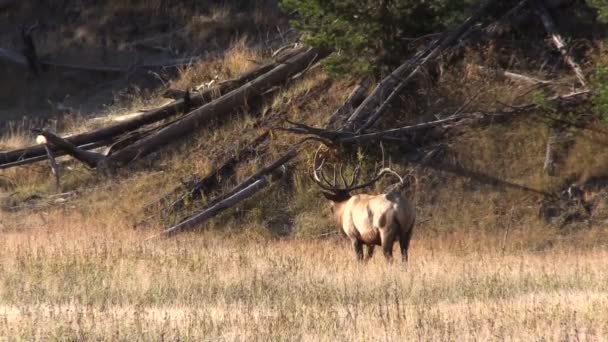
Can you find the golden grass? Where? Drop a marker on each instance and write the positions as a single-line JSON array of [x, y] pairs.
[[101, 282]]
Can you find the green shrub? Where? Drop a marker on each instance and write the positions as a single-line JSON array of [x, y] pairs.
[[370, 35], [602, 9]]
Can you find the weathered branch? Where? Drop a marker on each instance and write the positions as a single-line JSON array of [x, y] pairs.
[[549, 166], [510, 75], [557, 39], [212, 211], [54, 167], [91, 159]]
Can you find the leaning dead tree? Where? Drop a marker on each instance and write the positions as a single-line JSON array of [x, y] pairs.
[[108, 135], [242, 191]]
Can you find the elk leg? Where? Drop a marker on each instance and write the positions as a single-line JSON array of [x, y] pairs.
[[358, 247], [387, 239], [370, 251], [404, 243], [387, 248]]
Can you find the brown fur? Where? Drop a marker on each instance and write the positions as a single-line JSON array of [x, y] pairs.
[[376, 220]]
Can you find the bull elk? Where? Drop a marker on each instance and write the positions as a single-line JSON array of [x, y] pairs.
[[371, 220]]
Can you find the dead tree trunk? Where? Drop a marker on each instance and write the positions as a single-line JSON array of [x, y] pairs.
[[91, 159], [244, 190], [199, 117]]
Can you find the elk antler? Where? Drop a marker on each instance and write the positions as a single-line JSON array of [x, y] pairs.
[[318, 176]]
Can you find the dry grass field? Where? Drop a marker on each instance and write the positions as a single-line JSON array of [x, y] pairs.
[[76, 283], [484, 263]]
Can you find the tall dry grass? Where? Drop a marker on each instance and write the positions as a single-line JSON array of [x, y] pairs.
[[79, 282]]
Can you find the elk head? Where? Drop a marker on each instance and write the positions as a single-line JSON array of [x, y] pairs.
[[339, 193]]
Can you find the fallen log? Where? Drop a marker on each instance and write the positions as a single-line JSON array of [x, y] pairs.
[[244, 190], [193, 120], [220, 106], [91, 159], [97, 137], [226, 168]]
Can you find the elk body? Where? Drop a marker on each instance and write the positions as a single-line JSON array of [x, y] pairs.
[[370, 220]]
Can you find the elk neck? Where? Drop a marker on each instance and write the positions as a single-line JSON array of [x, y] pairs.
[[338, 210], [338, 202]]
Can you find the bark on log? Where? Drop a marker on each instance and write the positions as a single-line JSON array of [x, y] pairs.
[[392, 85], [199, 117], [33, 153], [558, 41]]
